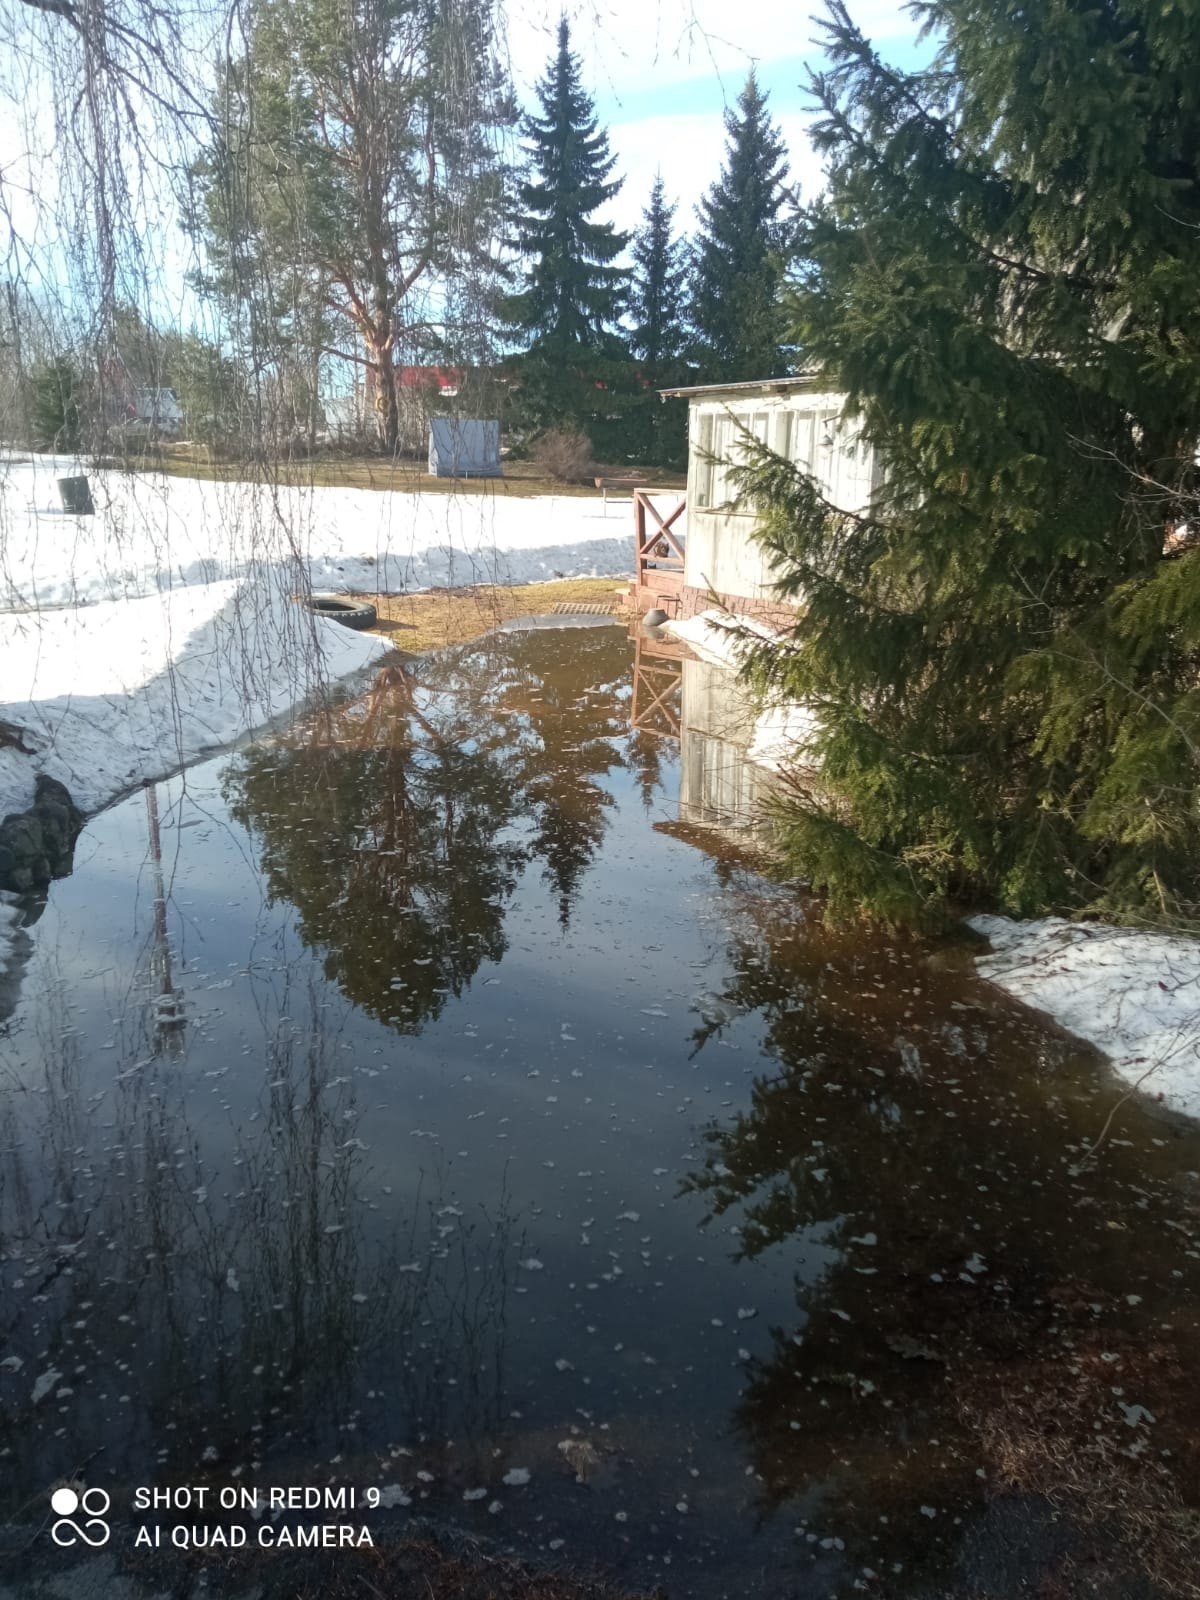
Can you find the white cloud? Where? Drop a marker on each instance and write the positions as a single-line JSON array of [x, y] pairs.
[[628, 46]]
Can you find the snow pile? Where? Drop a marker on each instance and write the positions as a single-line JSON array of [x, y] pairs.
[[161, 628], [784, 730], [122, 691], [720, 637], [1133, 994], [150, 534]]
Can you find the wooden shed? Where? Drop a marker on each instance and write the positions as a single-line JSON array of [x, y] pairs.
[[711, 545]]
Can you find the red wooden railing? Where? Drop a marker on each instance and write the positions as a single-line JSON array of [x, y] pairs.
[[657, 549]]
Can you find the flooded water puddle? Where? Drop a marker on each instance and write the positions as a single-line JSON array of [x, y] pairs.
[[435, 1099]]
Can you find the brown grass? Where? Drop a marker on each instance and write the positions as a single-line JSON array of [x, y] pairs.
[[1051, 1429], [521, 478], [435, 618]]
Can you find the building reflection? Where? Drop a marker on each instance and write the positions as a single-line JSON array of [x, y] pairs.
[[703, 706]]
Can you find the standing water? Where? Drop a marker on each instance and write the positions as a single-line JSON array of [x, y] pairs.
[[437, 1099]]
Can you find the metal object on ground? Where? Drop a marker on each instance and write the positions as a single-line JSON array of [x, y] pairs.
[[77, 496]]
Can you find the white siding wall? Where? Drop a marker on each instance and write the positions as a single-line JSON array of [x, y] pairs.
[[720, 551]]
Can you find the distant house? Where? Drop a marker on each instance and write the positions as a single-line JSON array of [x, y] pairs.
[[158, 409], [141, 409], [713, 549]]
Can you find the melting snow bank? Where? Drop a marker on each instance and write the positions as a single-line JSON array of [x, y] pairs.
[[783, 730], [123, 691], [1133, 994]]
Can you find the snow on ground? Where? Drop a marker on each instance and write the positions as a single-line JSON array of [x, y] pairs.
[[153, 533], [719, 637], [1133, 994], [783, 730]]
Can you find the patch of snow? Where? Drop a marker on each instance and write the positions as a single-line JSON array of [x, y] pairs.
[[1133, 994], [720, 637]]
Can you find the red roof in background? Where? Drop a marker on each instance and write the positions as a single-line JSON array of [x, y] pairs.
[[426, 377]]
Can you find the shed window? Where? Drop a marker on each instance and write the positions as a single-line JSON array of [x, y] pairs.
[[721, 437]]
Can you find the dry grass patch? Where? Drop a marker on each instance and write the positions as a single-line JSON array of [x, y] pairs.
[[521, 479], [435, 618]]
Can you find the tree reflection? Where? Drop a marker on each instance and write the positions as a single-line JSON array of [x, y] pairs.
[[177, 1304], [567, 697], [399, 824], [956, 1270], [387, 834]]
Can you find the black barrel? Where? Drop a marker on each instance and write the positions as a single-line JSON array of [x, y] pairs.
[[76, 496]]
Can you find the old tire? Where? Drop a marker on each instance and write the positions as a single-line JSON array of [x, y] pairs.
[[356, 614]]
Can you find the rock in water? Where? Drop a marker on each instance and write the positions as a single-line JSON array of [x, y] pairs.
[[39, 844]]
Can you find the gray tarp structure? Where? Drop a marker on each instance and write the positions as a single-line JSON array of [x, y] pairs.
[[464, 449]]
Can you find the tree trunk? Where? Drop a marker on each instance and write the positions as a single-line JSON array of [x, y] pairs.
[[386, 400]]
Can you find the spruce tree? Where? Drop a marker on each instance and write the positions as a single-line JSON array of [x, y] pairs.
[[738, 263], [57, 405], [1005, 649], [658, 335], [656, 298], [566, 311]]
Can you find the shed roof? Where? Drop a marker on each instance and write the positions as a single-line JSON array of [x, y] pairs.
[[804, 379]]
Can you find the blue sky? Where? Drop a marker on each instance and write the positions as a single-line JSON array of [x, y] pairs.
[[663, 72]]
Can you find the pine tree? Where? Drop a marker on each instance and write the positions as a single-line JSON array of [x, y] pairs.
[[738, 262], [352, 193], [1005, 650], [656, 298], [658, 335], [57, 405], [566, 312]]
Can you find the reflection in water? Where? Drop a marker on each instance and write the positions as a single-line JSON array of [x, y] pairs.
[[986, 1311], [190, 1306], [509, 1131], [399, 825], [677, 697], [719, 786], [170, 1017]]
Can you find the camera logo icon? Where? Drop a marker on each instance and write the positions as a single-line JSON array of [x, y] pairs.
[[80, 1517]]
